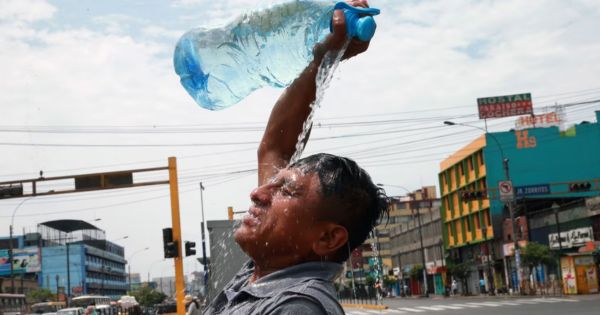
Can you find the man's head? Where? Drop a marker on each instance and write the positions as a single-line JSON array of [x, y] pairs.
[[321, 207]]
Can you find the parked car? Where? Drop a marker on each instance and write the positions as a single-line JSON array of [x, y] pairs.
[[71, 311]]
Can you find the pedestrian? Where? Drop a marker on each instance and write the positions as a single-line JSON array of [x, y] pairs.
[[306, 215], [454, 287], [482, 285], [192, 307]]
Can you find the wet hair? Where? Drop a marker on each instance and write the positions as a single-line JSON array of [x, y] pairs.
[[351, 198]]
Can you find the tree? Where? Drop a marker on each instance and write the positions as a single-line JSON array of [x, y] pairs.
[[460, 271], [535, 254], [39, 295], [148, 296]]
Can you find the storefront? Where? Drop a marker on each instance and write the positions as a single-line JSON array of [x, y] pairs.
[[580, 274]]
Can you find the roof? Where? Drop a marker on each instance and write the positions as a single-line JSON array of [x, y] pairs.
[[69, 226]]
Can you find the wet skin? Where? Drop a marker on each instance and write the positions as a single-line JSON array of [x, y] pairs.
[[281, 225]]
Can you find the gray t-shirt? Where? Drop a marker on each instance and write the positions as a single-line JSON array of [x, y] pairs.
[[301, 289]]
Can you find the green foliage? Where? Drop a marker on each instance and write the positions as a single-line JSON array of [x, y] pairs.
[[459, 270], [148, 296], [389, 281], [535, 254], [416, 271], [39, 295], [369, 280]]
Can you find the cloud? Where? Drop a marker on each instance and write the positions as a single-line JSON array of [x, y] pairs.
[[25, 10]]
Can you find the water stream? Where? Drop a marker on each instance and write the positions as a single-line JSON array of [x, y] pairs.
[[324, 75]]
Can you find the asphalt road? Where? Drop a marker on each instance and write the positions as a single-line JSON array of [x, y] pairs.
[[578, 305]]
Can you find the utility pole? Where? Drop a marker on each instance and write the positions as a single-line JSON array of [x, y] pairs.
[[556, 209], [426, 289], [204, 262]]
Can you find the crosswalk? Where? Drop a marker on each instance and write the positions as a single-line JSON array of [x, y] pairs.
[[456, 306]]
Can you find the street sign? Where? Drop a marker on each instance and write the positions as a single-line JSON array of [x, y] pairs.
[[507, 192], [529, 190], [504, 106]]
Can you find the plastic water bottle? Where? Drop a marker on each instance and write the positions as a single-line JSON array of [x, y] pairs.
[[219, 67]]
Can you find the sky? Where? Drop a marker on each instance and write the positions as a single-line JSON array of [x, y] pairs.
[[89, 86]]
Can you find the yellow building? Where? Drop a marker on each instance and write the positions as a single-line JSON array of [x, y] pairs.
[[463, 212]]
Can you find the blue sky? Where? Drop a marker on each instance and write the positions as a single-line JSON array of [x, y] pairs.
[[78, 73]]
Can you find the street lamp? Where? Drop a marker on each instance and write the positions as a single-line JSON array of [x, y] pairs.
[[556, 209], [129, 263], [10, 245], [509, 204], [411, 195]]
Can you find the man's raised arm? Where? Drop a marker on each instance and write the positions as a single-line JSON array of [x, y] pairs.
[[293, 106]]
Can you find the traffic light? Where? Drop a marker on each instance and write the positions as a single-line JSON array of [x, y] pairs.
[[171, 247], [472, 195], [581, 186], [190, 248]]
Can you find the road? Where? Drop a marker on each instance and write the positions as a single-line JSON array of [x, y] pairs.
[[578, 305]]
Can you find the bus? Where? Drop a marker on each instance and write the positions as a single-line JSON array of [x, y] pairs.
[[12, 304], [47, 307], [85, 300]]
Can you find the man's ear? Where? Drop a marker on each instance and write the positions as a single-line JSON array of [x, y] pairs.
[[333, 236]]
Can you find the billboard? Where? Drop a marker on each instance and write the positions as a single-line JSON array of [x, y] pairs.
[[24, 260], [505, 106]]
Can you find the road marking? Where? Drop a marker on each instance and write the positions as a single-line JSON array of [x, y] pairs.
[[485, 304], [466, 305], [408, 309], [526, 301], [391, 310], [564, 300], [355, 312], [431, 308], [508, 303], [452, 307], [546, 301]]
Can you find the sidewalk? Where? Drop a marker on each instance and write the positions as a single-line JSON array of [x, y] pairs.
[[595, 296]]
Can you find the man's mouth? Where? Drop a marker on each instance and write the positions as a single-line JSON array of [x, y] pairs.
[[252, 217]]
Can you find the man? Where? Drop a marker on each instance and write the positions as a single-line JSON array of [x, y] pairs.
[[306, 217]]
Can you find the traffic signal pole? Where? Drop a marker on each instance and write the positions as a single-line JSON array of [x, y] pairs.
[[176, 224]]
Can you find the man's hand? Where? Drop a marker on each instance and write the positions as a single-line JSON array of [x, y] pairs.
[[336, 40]]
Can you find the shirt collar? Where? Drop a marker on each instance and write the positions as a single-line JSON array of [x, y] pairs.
[[283, 279]]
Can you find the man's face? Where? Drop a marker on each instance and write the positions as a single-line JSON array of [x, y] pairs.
[[282, 220]]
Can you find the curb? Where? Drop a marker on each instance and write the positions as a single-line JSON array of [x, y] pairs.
[[365, 306]]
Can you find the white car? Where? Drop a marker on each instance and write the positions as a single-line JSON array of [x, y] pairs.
[[127, 301], [70, 311]]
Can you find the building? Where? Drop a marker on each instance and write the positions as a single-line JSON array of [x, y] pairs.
[[551, 171], [78, 260], [383, 252], [407, 253]]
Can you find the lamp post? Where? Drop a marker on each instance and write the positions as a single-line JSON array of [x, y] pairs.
[[129, 264], [424, 262], [509, 204], [556, 210], [10, 245]]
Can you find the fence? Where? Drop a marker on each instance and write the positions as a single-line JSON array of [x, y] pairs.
[[361, 295]]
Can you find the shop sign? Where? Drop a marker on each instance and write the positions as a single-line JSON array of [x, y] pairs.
[[533, 121], [504, 106], [572, 238], [568, 274], [509, 248]]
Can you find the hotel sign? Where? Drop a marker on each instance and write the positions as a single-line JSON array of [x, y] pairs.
[[505, 106]]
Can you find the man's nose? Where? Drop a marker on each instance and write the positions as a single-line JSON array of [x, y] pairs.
[[261, 195]]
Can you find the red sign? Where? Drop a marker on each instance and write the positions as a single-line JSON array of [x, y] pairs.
[[504, 106]]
